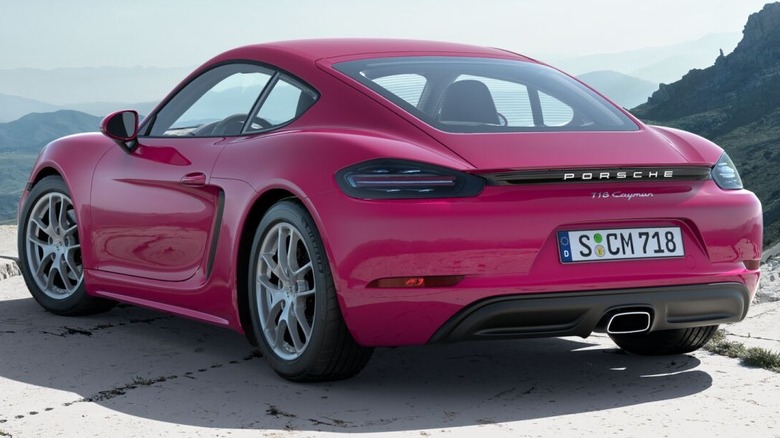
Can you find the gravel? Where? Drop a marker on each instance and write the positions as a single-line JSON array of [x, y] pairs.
[[769, 288]]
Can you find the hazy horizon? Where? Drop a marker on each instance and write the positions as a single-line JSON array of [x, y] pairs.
[[49, 34]]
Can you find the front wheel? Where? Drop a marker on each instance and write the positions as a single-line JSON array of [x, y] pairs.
[[295, 312], [50, 251], [666, 342]]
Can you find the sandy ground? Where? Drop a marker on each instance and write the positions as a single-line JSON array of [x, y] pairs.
[[137, 373], [8, 240]]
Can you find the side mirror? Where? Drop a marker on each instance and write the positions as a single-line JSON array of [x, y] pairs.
[[122, 127]]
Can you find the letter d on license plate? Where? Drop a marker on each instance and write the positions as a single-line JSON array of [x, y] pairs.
[[620, 244]]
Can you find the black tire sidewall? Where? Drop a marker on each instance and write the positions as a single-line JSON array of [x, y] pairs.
[[294, 214], [49, 184]]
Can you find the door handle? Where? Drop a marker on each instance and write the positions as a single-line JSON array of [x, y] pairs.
[[194, 179]]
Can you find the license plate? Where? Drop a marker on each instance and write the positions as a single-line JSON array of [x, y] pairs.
[[620, 244]]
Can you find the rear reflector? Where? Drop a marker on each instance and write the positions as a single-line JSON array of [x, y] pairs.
[[417, 282], [752, 264]]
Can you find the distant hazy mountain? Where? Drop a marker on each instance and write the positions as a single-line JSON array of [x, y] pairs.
[[20, 142], [13, 107], [102, 109], [92, 84], [626, 91], [736, 103], [657, 64], [31, 132]]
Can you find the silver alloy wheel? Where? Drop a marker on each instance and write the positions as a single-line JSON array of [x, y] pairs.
[[286, 291], [52, 246]]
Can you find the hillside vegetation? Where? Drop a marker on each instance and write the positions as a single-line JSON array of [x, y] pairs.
[[736, 104], [20, 142]]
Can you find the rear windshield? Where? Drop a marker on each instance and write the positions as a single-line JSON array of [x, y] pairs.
[[457, 94]]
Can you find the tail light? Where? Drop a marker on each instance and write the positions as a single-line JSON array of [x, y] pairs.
[[401, 179], [725, 174]]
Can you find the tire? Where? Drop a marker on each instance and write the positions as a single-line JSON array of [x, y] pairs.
[[666, 342], [292, 298], [50, 251]]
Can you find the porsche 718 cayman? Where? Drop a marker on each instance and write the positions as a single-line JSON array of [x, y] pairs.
[[329, 196]]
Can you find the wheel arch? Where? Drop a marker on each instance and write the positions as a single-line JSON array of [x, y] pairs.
[[251, 221], [35, 178], [45, 172]]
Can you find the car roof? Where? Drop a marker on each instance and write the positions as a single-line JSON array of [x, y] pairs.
[[317, 49]]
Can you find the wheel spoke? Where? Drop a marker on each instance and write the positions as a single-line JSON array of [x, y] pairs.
[[292, 252], [300, 316], [279, 334], [273, 313], [51, 212], [72, 266], [50, 277], [63, 271], [70, 231], [303, 289], [292, 327], [303, 270], [40, 271], [62, 220], [46, 248], [265, 282], [272, 266], [38, 242], [41, 227], [282, 253]]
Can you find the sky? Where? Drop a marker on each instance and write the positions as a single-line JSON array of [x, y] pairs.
[[173, 33]]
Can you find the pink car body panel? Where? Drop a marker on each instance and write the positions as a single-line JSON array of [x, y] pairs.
[[151, 240]]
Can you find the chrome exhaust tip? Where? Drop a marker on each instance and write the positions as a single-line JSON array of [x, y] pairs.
[[628, 322]]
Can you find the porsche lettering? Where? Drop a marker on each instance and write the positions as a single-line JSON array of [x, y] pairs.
[[606, 175]]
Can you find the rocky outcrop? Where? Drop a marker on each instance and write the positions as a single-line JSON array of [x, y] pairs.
[[736, 103], [741, 86], [8, 268]]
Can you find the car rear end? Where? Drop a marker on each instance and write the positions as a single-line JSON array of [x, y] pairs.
[[567, 216]]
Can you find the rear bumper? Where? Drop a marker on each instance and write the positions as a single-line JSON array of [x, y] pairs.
[[581, 313], [503, 243]]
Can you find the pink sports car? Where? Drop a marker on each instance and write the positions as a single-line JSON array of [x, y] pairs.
[[325, 197]]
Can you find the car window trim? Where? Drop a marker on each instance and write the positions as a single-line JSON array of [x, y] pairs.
[[280, 76], [148, 122]]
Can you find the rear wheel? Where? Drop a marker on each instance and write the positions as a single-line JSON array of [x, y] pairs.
[[50, 251], [666, 342], [295, 312]]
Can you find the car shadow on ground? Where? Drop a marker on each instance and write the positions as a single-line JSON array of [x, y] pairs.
[[150, 365]]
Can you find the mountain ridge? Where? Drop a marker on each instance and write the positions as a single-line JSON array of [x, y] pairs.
[[20, 142], [12, 107], [625, 90], [736, 104], [661, 64], [64, 86]]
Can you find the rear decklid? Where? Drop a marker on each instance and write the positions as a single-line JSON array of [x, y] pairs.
[[646, 147]]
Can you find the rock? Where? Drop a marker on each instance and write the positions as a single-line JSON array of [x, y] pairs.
[[8, 268], [736, 104], [769, 288]]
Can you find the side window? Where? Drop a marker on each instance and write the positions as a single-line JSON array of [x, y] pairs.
[[407, 86], [216, 103], [286, 101]]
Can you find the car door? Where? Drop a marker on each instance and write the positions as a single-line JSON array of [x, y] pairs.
[[154, 211]]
